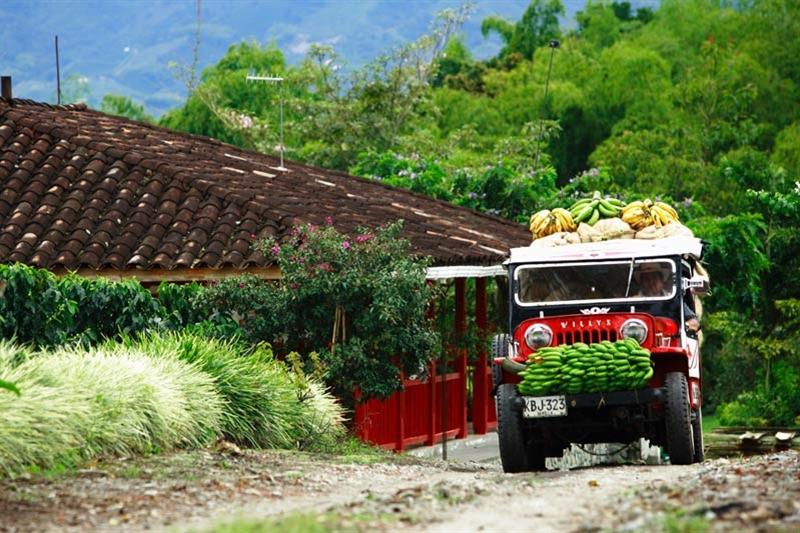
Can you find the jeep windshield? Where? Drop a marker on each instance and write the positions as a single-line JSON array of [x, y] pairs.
[[584, 282]]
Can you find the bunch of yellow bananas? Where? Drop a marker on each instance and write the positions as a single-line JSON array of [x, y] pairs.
[[547, 222], [590, 210], [643, 213]]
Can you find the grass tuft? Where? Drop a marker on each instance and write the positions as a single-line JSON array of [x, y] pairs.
[[261, 408], [153, 393], [80, 404], [321, 426], [139, 403]]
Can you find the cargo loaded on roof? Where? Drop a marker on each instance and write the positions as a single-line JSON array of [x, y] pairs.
[[603, 334]]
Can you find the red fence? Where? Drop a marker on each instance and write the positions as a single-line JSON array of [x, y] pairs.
[[416, 414]]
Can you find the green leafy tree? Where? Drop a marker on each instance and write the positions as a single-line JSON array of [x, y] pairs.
[[538, 25], [786, 152], [456, 68], [601, 22], [123, 106], [226, 106]]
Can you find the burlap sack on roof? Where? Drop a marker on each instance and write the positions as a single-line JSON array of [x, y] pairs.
[[557, 239], [673, 229], [587, 233], [614, 228]]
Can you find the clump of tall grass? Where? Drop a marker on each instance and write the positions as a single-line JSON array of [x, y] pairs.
[[139, 403], [43, 424], [111, 401], [13, 354], [269, 405], [321, 426], [261, 408]]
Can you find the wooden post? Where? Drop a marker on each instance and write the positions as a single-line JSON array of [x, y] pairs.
[[461, 361], [480, 383]]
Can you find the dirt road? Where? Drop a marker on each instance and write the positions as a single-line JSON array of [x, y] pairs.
[[201, 490]]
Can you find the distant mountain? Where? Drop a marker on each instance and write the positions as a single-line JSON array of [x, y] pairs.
[[124, 47]]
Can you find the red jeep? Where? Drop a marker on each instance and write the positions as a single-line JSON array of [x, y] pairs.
[[589, 293]]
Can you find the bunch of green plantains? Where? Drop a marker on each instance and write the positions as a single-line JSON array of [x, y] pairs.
[[576, 368], [154, 393]]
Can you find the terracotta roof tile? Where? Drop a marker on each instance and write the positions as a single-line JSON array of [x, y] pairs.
[[79, 188]]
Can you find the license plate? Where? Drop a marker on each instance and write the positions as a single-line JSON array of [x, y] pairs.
[[544, 406]]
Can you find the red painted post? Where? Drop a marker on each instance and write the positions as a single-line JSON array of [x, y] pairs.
[[480, 385], [461, 361], [431, 440]]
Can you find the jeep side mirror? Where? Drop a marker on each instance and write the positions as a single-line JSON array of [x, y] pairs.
[[696, 284]]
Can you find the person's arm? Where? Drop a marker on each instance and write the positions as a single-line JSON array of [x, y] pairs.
[[691, 318]]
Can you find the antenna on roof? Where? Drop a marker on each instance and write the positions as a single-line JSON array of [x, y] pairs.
[[553, 45], [279, 80], [58, 75]]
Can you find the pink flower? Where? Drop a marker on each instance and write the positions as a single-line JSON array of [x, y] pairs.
[[275, 249], [325, 267], [362, 238], [241, 285], [329, 220], [346, 245]]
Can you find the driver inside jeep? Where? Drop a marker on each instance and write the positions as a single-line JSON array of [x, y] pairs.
[[652, 280]]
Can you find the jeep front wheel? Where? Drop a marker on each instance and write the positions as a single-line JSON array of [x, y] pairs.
[[510, 430]]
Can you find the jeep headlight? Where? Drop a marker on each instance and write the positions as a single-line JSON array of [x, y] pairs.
[[635, 329], [538, 335]]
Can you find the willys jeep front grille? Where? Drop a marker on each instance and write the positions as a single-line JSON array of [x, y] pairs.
[[586, 335]]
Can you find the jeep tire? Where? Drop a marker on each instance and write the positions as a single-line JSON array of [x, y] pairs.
[[499, 349], [510, 430], [517, 451], [697, 433], [678, 420]]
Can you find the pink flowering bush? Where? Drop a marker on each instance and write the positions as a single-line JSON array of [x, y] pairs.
[[360, 303]]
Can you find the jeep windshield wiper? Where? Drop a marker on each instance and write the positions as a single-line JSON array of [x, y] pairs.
[[630, 276]]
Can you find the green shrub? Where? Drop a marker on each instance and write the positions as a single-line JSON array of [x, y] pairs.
[[181, 303], [778, 405], [32, 307], [40, 309], [106, 309]]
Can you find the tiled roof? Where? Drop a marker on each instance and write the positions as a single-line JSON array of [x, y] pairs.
[[79, 188]]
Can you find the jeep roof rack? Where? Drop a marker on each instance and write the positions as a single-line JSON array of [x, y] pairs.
[[611, 249]]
